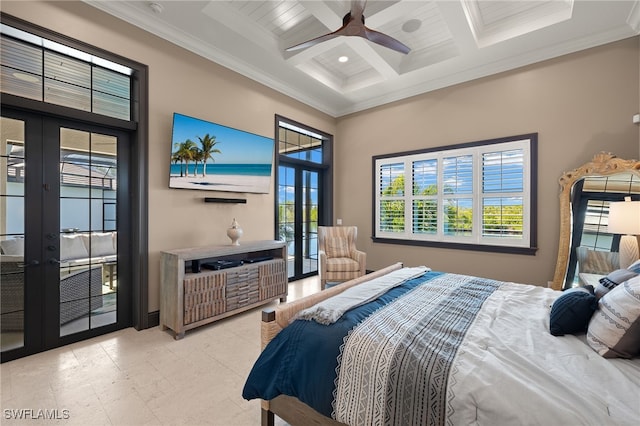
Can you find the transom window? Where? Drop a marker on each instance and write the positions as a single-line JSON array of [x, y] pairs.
[[478, 195], [299, 143], [40, 69]]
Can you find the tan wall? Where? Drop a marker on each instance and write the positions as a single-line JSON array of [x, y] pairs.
[[180, 81], [579, 104]]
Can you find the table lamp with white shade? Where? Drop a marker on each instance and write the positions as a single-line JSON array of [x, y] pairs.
[[624, 218]]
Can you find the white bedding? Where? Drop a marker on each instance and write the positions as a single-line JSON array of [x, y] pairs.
[[556, 380]]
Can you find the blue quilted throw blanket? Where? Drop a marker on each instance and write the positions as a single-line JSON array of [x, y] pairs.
[[394, 367]]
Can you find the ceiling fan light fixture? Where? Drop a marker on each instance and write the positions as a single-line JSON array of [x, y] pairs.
[[411, 25]]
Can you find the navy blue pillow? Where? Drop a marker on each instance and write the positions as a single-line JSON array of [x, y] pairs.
[[571, 312]]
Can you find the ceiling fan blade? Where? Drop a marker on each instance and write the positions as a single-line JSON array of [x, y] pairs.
[[339, 32], [314, 41], [385, 40], [353, 25]]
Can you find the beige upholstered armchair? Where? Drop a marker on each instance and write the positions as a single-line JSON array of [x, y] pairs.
[[339, 258]]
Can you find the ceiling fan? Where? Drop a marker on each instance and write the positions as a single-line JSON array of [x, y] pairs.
[[353, 25]]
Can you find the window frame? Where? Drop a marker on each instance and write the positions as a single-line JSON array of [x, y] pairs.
[[526, 245]]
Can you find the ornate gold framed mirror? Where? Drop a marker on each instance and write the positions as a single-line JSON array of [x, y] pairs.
[[623, 178]]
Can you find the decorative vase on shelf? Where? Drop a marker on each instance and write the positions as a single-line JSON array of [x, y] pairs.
[[234, 232]]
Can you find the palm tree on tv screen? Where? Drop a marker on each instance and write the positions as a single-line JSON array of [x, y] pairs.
[[208, 144], [175, 158], [197, 157], [184, 153]]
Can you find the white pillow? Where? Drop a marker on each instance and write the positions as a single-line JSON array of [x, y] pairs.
[[14, 246], [614, 329], [608, 283], [72, 247], [635, 267], [102, 243]]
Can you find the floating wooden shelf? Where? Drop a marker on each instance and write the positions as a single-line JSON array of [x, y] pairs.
[[225, 200]]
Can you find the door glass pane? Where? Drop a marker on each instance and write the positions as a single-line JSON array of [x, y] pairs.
[[286, 213], [310, 221], [88, 237], [12, 167]]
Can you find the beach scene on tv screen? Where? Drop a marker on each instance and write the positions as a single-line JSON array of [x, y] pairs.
[[209, 156]]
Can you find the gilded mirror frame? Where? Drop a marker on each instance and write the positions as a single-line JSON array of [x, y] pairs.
[[602, 164]]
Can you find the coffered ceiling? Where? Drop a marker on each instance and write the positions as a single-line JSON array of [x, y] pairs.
[[451, 41]]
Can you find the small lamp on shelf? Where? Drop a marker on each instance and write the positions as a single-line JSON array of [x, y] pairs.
[[624, 218]]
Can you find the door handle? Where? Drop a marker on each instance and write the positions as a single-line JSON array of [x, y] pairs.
[[30, 263], [54, 261]]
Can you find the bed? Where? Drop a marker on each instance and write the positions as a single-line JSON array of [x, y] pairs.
[[427, 347]]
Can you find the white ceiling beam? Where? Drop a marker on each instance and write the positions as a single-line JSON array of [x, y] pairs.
[[226, 15], [634, 17], [299, 56], [327, 79], [368, 53], [324, 14], [454, 15], [400, 10]]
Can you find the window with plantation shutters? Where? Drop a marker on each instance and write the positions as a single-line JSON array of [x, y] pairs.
[[478, 195]]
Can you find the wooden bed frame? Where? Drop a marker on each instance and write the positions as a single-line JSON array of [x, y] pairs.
[[288, 408]]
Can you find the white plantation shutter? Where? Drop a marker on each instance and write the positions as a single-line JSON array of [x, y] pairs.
[[424, 207], [472, 194], [457, 175], [502, 188], [391, 190]]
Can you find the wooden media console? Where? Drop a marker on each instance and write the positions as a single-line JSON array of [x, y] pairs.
[[192, 295]]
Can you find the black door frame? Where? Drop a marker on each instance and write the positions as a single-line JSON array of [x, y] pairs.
[[42, 228], [138, 179], [299, 220], [325, 186], [52, 227]]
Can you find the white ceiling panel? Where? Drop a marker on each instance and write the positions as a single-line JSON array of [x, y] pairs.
[[451, 41], [496, 21]]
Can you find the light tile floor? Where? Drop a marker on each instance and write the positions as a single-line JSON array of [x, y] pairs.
[[143, 377]]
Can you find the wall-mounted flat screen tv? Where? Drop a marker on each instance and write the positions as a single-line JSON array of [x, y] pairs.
[[209, 156]]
